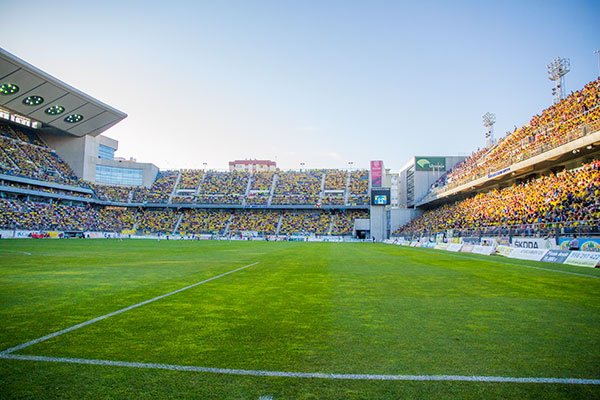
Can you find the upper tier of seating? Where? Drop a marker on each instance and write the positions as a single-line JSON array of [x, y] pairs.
[[22, 153], [570, 119], [313, 187]]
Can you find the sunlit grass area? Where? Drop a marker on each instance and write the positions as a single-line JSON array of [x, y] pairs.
[[340, 308]]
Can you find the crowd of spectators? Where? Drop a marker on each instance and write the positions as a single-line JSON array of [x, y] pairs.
[[160, 191], [335, 179], [230, 188], [257, 198], [158, 221], [225, 199], [21, 134], [184, 199], [333, 198], [560, 123], [262, 221], [215, 182], [570, 197], [289, 199], [343, 223], [21, 214], [305, 222], [41, 215], [45, 189], [298, 187], [17, 213], [114, 219], [112, 193], [359, 187], [204, 221], [190, 179], [262, 180], [31, 161]]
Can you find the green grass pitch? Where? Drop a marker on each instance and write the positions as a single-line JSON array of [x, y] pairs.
[[343, 308]]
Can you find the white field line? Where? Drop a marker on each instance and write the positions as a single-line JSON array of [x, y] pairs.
[[15, 251], [91, 321], [317, 375], [519, 265]]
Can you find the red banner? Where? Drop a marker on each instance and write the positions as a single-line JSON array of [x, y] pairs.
[[376, 173]]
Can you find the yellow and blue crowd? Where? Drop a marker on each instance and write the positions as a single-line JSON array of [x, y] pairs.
[[560, 123], [46, 215], [571, 197], [22, 153]]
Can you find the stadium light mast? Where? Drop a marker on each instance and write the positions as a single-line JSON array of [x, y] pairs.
[[598, 52], [489, 120], [557, 70]]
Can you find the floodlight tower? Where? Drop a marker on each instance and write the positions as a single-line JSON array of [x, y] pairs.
[[557, 70], [489, 120]]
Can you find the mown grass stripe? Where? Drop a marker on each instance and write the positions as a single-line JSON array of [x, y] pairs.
[[317, 375], [91, 321]]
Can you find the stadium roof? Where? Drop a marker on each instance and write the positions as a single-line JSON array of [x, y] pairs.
[[32, 93]]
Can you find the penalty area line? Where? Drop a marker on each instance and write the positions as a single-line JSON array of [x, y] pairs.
[[316, 375], [91, 321]]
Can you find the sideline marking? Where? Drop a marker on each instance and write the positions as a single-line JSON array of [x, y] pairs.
[[519, 265], [91, 321], [15, 251], [318, 375]]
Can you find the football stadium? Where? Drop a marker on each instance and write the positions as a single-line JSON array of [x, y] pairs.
[[454, 276]]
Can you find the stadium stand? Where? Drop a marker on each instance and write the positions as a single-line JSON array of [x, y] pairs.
[[262, 180], [335, 179], [204, 221], [261, 221], [45, 189], [257, 198], [115, 219], [118, 194], [158, 221], [561, 123], [344, 222], [190, 179], [333, 199], [24, 154], [305, 222], [298, 187], [45, 215], [359, 187], [569, 200], [160, 191]]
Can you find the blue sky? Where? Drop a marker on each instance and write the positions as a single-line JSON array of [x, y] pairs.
[[319, 82]]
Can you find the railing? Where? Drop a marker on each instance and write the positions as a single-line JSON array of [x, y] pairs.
[[544, 229]]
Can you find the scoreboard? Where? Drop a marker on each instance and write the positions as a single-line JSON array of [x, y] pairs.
[[380, 197]]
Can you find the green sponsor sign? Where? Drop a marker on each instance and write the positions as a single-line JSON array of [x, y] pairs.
[[431, 163]]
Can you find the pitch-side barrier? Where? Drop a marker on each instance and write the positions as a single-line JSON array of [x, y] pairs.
[[560, 256]]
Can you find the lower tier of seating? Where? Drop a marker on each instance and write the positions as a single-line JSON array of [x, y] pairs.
[[16, 213]]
